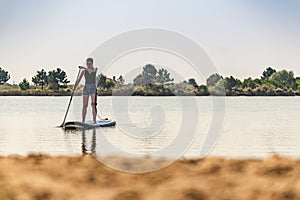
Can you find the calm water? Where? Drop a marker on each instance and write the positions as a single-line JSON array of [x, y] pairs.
[[252, 126]]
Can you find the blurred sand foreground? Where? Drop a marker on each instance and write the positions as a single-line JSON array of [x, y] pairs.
[[83, 177]]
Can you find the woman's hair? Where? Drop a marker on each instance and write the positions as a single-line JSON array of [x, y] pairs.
[[90, 60]]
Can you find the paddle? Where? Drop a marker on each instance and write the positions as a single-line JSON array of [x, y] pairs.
[[71, 99]]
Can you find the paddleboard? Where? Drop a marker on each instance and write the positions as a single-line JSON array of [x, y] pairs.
[[88, 124]]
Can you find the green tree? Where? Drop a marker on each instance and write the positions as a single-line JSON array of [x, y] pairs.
[[258, 81], [62, 77], [138, 80], [284, 80], [24, 85], [297, 80], [52, 80], [109, 84], [101, 80], [4, 76], [40, 78], [268, 73], [163, 76], [149, 74], [193, 82], [249, 83], [229, 83], [57, 78], [213, 79], [202, 89], [218, 89]]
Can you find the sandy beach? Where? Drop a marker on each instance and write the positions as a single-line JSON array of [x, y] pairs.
[[84, 177]]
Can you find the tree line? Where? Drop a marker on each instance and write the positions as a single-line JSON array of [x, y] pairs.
[[271, 82], [53, 79], [56, 79], [153, 81]]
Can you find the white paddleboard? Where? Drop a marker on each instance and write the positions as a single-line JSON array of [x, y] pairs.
[[88, 124]]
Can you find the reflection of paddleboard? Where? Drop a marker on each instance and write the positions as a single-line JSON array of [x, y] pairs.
[[88, 124]]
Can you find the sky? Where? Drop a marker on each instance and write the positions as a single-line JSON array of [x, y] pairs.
[[241, 37]]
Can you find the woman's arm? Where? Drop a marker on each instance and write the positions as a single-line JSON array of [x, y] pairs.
[[79, 79]]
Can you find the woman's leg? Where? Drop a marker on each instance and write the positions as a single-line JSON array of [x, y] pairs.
[[96, 96], [84, 106], [94, 106]]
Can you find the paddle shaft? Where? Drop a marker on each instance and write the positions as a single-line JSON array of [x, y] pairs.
[[70, 99]]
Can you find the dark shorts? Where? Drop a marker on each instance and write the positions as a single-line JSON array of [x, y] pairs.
[[89, 89]]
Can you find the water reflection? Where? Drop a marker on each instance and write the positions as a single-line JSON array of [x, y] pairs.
[[81, 141], [85, 146]]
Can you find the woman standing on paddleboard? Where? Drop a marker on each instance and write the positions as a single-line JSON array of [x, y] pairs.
[[90, 88]]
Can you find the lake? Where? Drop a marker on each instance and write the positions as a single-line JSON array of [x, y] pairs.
[[155, 126]]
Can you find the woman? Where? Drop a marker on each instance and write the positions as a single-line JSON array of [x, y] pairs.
[[89, 89]]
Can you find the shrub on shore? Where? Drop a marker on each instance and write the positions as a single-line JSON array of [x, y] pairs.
[[24, 85]]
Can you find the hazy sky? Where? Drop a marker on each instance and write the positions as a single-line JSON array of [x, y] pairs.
[[242, 37]]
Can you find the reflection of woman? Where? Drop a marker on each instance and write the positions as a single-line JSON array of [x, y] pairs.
[[84, 145], [89, 89]]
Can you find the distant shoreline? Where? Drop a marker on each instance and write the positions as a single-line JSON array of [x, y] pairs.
[[136, 93], [149, 90], [153, 82]]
